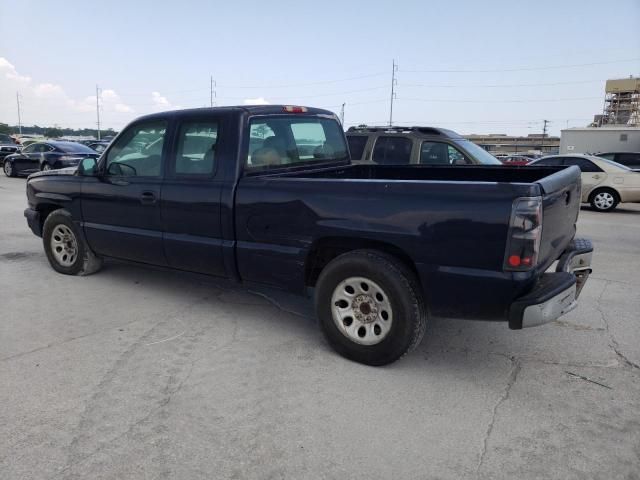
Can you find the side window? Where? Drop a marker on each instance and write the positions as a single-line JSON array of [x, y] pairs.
[[438, 153], [550, 162], [356, 146], [138, 151], [392, 151], [582, 163], [196, 152], [628, 158], [608, 156], [29, 148]]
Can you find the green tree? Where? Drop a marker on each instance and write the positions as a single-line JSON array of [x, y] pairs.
[[53, 132], [4, 128]]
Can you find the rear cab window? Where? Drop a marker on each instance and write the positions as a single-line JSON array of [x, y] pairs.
[[294, 140]]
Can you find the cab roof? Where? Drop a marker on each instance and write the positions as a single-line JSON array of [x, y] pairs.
[[247, 109]]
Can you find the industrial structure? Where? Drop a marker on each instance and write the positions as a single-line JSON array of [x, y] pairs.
[[621, 103], [509, 144], [617, 129]]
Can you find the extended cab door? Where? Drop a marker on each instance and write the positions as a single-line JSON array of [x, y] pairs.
[[191, 196], [121, 206]]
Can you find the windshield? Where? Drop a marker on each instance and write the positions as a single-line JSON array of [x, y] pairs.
[[294, 140], [479, 153]]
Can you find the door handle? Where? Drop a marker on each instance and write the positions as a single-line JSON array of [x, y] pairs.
[[148, 198]]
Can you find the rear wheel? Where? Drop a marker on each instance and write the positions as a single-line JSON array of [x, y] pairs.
[[9, 171], [370, 307], [604, 199], [46, 167], [65, 246]]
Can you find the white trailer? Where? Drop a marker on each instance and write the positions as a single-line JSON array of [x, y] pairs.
[[600, 139]]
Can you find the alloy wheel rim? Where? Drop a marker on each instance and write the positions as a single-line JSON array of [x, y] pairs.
[[361, 310], [46, 167], [7, 168], [64, 245], [603, 200]]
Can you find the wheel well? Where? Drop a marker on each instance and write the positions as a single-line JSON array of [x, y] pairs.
[[326, 249], [45, 210], [602, 189]]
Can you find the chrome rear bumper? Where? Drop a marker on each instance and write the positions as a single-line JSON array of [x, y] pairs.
[[555, 294]]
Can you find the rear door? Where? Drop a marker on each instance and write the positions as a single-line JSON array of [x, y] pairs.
[[592, 175], [392, 150], [121, 208], [191, 196]]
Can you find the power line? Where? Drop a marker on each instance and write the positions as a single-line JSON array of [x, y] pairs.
[[504, 85], [19, 116], [525, 69], [394, 69], [98, 108], [532, 100]]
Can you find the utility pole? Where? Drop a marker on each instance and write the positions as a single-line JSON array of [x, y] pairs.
[[212, 90], [98, 108], [19, 116], [394, 69], [544, 134], [342, 115]]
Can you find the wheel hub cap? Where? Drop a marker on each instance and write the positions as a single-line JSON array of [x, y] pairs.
[[64, 245], [361, 310]]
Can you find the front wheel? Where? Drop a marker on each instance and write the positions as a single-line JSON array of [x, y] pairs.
[[370, 307], [65, 246], [9, 171], [46, 167], [604, 200]]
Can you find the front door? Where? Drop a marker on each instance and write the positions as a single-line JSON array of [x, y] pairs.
[[191, 192], [121, 206]]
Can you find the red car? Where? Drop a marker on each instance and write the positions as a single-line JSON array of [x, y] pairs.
[[516, 160]]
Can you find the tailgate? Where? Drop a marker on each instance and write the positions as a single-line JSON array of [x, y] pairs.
[[561, 204]]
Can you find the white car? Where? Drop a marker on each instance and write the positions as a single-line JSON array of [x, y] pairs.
[[604, 183]]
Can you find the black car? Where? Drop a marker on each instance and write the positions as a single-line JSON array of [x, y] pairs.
[[7, 146], [628, 159], [46, 156], [98, 146]]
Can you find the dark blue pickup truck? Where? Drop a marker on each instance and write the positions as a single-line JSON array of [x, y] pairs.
[[268, 195]]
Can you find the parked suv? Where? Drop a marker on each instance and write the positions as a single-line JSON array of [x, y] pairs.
[[414, 145]]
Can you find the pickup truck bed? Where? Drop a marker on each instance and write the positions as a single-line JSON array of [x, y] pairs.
[[452, 223]]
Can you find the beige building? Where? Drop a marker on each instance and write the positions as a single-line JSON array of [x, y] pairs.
[[509, 144]]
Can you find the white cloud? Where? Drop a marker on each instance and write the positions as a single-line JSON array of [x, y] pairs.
[[48, 103], [159, 100], [11, 73], [256, 101]]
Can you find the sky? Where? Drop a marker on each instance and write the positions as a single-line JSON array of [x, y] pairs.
[[474, 67]]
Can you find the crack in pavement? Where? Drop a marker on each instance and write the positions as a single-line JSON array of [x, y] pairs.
[[615, 346], [513, 376]]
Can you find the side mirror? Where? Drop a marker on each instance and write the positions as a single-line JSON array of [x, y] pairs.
[[88, 167]]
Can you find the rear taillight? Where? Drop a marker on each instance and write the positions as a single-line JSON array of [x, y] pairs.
[[525, 231]]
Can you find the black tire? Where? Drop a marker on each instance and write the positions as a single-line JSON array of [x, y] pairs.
[[44, 166], [85, 261], [8, 169], [598, 196], [404, 296]]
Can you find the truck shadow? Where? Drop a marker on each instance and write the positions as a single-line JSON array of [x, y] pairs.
[[292, 318]]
